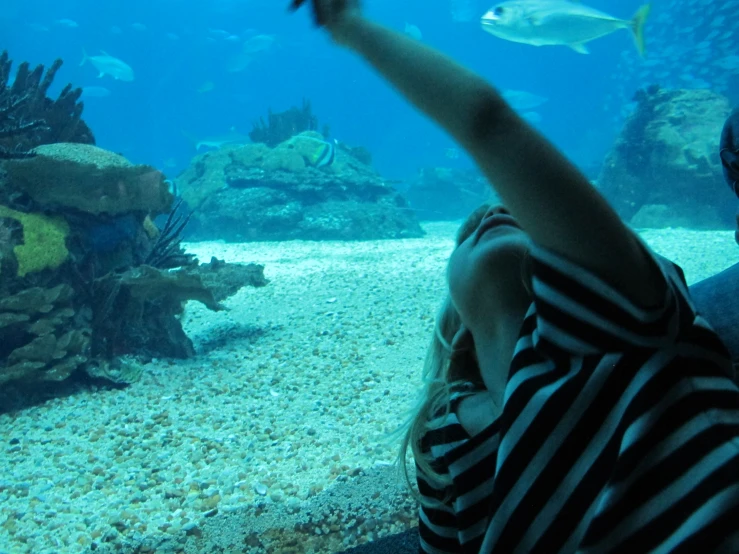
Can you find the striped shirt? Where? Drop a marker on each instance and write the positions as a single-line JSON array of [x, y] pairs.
[[619, 431]]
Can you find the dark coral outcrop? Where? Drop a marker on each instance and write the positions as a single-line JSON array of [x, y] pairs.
[[88, 283], [280, 126], [28, 118], [257, 193], [664, 169]]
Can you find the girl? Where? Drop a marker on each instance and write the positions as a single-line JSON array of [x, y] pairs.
[[576, 401]]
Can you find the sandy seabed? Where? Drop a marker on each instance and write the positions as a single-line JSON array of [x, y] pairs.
[[275, 438]]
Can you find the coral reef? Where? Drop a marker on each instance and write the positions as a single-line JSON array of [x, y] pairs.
[[283, 125], [28, 118], [89, 179], [666, 161], [42, 337], [44, 241], [275, 194], [442, 193], [89, 284]]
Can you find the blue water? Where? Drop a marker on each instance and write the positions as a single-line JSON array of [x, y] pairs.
[[173, 54]]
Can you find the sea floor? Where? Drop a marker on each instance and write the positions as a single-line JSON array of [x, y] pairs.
[[277, 436]]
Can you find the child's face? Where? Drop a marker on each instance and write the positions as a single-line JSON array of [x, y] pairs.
[[486, 265]]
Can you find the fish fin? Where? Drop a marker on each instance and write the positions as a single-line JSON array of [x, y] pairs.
[[579, 47], [85, 57], [533, 20], [101, 75], [637, 27]]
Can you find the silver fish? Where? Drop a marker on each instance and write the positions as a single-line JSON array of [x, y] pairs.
[[522, 100], [95, 92], [219, 141], [251, 49], [109, 65], [558, 22]]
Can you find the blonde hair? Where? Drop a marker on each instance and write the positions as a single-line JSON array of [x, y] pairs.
[[446, 371], [450, 369]]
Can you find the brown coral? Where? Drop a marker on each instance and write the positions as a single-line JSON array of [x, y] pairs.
[[28, 118], [89, 179], [41, 340], [283, 125]]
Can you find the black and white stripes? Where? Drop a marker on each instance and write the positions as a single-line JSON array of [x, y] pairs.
[[619, 431]]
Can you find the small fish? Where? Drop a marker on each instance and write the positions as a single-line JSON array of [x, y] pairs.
[[252, 49], [259, 43], [172, 36], [215, 142], [532, 117], [218, 33], [316, 152], [138, 27], [69, 23], [413, 31], [109, 65], [522, 100], [95, 92], [558, 22], [172, 187], [452, 153], [207, 86]]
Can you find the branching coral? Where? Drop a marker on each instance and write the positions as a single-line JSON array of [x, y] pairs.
[[28, 118], [166, 252], [283, 125]]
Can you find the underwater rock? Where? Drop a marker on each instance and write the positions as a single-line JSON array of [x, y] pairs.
[[89, 179], [42, 340], [89, 285], [257, 193], [226, 279], [667, 155], [443, 194], [121, 371], [40, 245], [137, 312]]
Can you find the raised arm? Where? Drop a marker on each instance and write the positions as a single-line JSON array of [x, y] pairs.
[[550, 198]]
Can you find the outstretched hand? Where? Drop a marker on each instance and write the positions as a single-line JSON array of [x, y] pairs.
[[327, 13]]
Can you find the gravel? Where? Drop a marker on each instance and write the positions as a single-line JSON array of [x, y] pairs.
[[296, 389]]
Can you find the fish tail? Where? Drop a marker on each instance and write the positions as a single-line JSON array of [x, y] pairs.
[[84, 57], [637, 27]]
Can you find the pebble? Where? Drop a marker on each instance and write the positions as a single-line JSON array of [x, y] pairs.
[[284, 373]]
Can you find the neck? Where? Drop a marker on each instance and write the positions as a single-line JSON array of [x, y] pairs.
[[495, 344]]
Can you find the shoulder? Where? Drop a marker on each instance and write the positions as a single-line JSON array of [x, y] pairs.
[[477, 412]]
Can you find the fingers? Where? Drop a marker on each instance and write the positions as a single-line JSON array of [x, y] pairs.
[[317, 12]]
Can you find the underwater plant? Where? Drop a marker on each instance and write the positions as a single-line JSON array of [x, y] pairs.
[[283, 125], [28, 118], [166, 252]]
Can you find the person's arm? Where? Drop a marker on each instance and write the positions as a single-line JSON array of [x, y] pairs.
[[556, 205], [729, 153]]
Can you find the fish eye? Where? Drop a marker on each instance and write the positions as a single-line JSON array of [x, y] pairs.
[[499, 10]]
